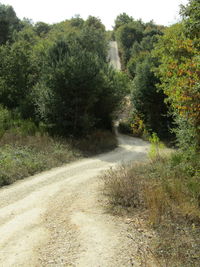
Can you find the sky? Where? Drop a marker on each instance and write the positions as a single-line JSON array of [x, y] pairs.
[[51, 11]]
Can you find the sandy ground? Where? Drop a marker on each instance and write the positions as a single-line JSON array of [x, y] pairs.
[[59, 217]]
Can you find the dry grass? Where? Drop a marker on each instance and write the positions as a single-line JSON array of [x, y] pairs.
[[97, 142], [167, 191], [25, 155], [124, 188], [22, 157]]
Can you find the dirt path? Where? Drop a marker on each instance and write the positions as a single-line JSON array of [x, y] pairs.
[[58, 218], [114, 55]]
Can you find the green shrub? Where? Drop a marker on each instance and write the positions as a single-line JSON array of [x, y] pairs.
[[156, 147], [134, 125], [5, 118]]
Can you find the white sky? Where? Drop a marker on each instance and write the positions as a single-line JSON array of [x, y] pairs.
[[161, 11]]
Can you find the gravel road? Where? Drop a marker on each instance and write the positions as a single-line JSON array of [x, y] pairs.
[[58, 218], [114, 55]]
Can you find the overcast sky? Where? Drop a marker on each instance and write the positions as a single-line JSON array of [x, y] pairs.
[[161, 11]]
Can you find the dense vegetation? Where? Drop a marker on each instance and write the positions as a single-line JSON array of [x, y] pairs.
[[136, 40], [58, 74], [163, 63], [56, 85], [58, 95], [166, 103]]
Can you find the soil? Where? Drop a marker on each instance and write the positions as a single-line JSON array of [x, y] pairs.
[[60, 217]]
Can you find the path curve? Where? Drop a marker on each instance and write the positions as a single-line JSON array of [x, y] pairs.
[[40, 215]]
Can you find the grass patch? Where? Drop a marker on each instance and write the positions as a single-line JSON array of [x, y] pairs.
[[167, 191], [25, 155], [33, 154], [95, 143]]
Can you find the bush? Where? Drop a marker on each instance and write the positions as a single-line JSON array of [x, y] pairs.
[[5, 118], [156, 147], [167, 191], [134, 126], [78, 91], [123, 186]]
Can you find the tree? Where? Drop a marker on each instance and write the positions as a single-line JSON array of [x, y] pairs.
[[121, 20], [115, 86], [140, 51], [76, 92], [42, 28], [8, 23], [93, 39], [77, 21], [148, 101], [19, 71], [179, 74], [59, 74], [126, 36], [191, 18], [95, 23]]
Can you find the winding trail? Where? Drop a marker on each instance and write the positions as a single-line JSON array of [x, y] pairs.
[[58, 218]]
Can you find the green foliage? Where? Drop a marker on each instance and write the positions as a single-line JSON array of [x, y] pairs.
[[42, 28], [179, 75], [135, 38], [93, 22], [149, 102], [126, 35], [58, 75], [136, 41], [78, 90], [191, 18], [18, 74], [53, 79], [68, 87], [77, 21], [8, 23], [133, 125], [186, 133], [156, 147], [115, 86], [121, 20], [137, 126], [5, 117]]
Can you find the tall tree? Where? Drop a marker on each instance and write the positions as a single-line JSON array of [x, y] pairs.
[[122, 19], [179, 74], [191, 18], [148, 101], [8, 23]]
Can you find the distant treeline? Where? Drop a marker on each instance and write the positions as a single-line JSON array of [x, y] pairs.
[[164, 65], [57, 75]]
